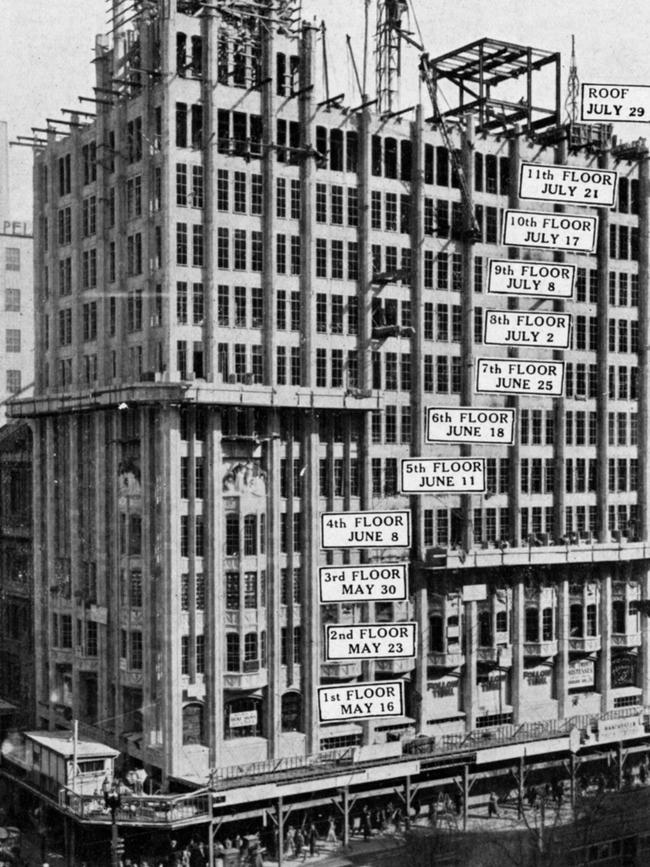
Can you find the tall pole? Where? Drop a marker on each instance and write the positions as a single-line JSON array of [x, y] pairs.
[[115, 859]]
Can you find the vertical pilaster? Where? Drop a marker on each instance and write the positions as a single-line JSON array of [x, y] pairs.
[[643, 489], [514, 401], [50, 558], [602, 397], [517, 673], [562, 658], [215, 605], [467, 307], [645, 634], [470, 686], [169, 449], [273, 596], [307, 169], [310, 620], [559, 406], [74, 494], [268, 212], [40, 611], [418, 575], [605, 662]]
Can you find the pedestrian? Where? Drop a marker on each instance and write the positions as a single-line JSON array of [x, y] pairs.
[[365, 823], [312, 837], [331, 831], [298, 843], [493, 809], [289, 840], [458, 802]]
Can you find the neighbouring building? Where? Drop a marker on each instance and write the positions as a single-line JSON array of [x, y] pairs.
[[16, 292]]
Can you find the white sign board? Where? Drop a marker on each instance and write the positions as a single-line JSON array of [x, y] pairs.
[[360, 701], [381, 582], [612, 102], [366, 529], [527, 328], [468, 425], [518, 376], [536, 279], [242, 719], [573, 184], [581, 673], [548, 231], [620, 729], [370, 641], [474, 592], [443, 475]]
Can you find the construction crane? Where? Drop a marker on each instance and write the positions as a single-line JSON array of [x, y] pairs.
[[390, 32]]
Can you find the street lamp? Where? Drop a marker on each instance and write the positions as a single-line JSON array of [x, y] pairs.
[[112, 800]]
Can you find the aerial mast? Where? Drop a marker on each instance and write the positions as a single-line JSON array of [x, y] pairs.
[[573, 87]]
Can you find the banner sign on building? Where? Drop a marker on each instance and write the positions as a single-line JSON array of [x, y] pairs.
[[527, 328], [546, 230], [616, 102], [519, 376], [366, 529], [443, 475], [363, 583], [360, 701], [370, 641], [468, 425], [574, 184], [535, 279]]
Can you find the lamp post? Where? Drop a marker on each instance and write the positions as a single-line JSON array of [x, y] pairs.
[[112, 800]]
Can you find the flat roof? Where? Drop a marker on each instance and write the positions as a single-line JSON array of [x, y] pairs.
[[61, 743]]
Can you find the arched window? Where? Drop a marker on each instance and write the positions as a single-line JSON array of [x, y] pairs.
[[532, 624], [243, 718], [193, 723], [291, 712], [502, 621]]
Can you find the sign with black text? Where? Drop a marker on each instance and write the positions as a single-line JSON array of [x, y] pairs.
[[370, 641], [469, 425], [573, 184], [385, 582], [443, 475], [360, 701], [548, 231], [519, 376], [527, 328], [366, 529], [616, 102], [535, 279]]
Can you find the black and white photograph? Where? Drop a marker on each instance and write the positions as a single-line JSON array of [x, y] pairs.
[[324, 433]]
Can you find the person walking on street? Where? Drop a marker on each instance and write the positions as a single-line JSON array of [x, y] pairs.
[[331, 831], [312, 838], [493, 809], [298, 843]]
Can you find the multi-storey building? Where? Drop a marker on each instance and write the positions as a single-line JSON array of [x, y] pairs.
[[16, 292], [248, 295]]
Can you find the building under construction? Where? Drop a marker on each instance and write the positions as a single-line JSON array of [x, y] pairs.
[[249, 290]]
